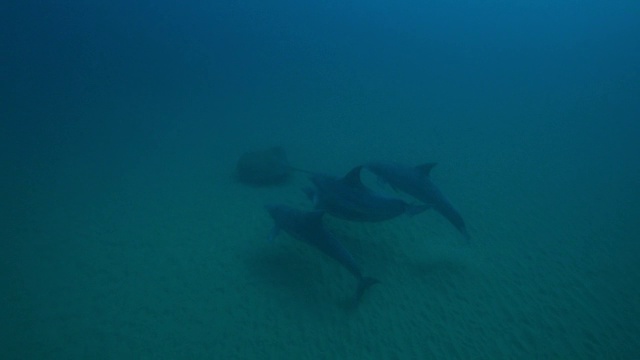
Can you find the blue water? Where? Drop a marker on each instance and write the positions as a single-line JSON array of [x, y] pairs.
[[124, 235]]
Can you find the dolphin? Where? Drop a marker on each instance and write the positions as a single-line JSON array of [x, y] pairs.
[[347, 198], [307, 226], [416, 182]]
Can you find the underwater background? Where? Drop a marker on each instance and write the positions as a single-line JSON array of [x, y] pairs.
[[123, 233]]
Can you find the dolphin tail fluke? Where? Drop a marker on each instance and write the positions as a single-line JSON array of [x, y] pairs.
[[293, 168], [363, 284]]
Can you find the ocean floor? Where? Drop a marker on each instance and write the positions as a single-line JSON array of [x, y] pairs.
[[169, 258]]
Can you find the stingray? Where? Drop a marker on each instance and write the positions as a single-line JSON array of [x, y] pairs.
[[263, 167]]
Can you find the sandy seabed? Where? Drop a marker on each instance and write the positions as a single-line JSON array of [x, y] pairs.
[[170, 270]]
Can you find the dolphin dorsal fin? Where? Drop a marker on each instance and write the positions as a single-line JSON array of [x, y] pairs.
[[353, 177], [425, 169]]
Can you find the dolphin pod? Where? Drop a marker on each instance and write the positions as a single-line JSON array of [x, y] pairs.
[[349, 199]]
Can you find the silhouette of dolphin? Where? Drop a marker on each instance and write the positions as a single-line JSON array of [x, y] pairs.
[[307, 226], [416, 182], [347, 198]]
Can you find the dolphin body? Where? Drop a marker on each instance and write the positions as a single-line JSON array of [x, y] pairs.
[[347, 198], [307, 226], [416, 182]]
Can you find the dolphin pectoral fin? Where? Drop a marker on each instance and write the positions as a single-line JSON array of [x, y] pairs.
[[384, 183], [274, 232], [311, 194]]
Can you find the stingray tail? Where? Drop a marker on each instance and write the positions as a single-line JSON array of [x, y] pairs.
[[363, 284], [413, 210], [293, 168]]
